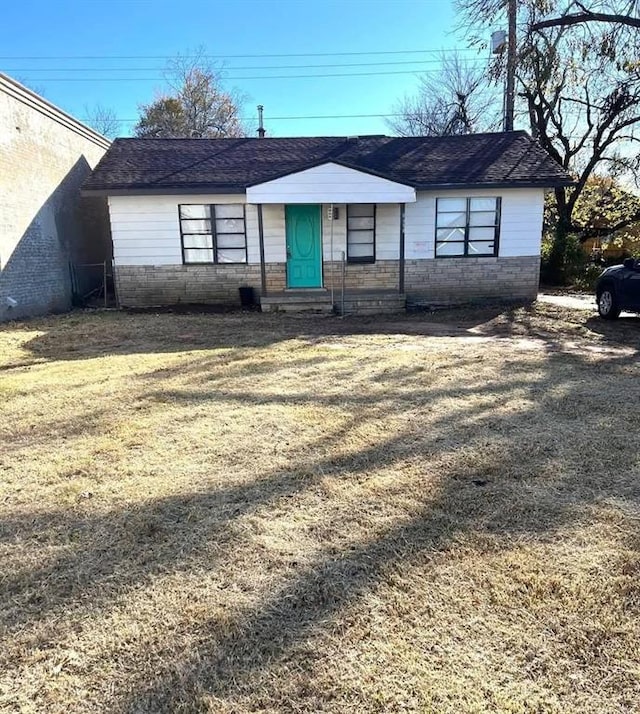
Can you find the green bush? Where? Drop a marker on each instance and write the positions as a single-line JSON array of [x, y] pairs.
[[587, 279], [572, 267], [562, 259]]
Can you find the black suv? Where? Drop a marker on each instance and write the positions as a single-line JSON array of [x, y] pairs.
[[618, 288]]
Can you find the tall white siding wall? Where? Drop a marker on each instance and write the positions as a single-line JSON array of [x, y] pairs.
[[520, 225]]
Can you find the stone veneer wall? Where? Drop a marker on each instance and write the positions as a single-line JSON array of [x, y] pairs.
[[451, 279], [460, 279], [146, 285], [381, 275]]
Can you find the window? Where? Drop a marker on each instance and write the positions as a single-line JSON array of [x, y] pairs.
[[361, 233], [467, 227], [213, 234]]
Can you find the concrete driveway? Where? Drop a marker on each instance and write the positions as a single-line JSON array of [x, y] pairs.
[[574, 301]]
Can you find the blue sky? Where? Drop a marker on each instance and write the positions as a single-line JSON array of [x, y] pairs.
[[119, 49]]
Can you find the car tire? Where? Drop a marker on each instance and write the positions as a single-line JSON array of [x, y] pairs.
[[608, 307]]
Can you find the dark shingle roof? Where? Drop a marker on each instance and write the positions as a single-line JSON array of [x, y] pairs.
[[227, 165]]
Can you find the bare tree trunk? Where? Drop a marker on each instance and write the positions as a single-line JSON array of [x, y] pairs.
[[556, 264]]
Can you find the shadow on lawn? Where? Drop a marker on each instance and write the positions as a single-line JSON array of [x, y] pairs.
[[88, 336], [80, 336], [105, 555], [625, 330]]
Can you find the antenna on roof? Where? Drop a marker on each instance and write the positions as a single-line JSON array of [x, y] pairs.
[[261, 131]]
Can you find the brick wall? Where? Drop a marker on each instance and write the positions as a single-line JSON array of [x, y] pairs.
[[147, 285], [454, 279], [381, 275], [276, 277], [45, 156]]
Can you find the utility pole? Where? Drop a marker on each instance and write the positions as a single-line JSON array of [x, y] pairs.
[[512, 49]]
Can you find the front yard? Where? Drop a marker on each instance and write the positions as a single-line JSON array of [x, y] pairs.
[[252, 513]]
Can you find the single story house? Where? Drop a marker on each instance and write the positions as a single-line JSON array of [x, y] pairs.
[[45, 224], [365, 222]]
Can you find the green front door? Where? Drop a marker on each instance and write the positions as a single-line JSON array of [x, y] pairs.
[[304, 246]]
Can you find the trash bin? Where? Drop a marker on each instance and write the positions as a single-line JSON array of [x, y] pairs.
[[247, 297]]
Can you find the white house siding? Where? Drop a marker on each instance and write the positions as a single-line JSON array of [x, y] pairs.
[[330, 183], [148, 258], [146, 229], [387, 232], [147, 253], [520, 227], [514, 273], [273, 226]]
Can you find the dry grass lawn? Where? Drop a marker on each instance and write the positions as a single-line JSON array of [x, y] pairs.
[[252, 513]]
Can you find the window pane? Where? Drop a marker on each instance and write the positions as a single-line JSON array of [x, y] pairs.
[[449, 234], [203, 226], [449, 248], [452, 204], [197, 241], [194, 211], [232, 256], [483, 204], [360, 237], [359, 223], [198, 256], [230, 225], [482, 218], [361, 250], [360, 209], [452, 219], [481, 248], [482, 233], [230, 240], [230, 210]]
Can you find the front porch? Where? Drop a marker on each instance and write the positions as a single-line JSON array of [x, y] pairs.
[[339, 235]]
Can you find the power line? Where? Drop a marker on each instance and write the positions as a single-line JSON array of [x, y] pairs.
[[223, 57], [261, 77], [252, 67], [283, 118]]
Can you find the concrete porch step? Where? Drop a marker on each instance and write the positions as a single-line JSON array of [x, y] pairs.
[[298, 301], [355, 303]]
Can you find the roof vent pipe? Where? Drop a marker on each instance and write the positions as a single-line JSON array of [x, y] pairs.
[[261, 131]]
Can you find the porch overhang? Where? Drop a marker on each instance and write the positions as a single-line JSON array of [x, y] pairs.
[[330, 183]]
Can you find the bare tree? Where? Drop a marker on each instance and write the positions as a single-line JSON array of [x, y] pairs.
[[103, 119], [579, 92], [458, 100], [196, 105]]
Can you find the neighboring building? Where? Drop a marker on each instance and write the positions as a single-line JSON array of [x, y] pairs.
[[45, 155], [418, 218]]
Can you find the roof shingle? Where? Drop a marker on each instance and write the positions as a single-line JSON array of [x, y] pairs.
[[229, 165]]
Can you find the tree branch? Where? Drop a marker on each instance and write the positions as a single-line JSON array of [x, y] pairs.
[[582, 17]]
